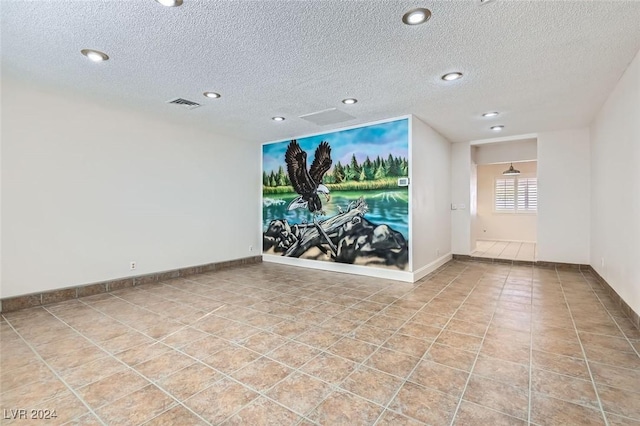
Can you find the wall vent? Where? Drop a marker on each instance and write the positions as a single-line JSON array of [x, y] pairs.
[[184, 103]]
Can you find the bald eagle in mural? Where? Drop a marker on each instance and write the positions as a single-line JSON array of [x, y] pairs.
[[308, 183]]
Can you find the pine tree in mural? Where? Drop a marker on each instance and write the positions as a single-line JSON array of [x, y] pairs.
[[390, 167], [368, 171], [354, 165], [368, 168], [281, 177], [338, 173]]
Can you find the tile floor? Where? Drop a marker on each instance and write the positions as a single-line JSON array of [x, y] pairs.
[[472, 344], [511, 250]]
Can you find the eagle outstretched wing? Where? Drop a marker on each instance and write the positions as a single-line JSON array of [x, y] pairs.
[[321, 162], [296, 160]]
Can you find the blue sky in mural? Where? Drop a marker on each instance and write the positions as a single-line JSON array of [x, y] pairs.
[[389, 138]]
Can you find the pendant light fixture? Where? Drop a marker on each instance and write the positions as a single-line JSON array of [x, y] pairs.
[[511, 171]]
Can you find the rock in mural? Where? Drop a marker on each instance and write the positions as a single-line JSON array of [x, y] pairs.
[[356, 240]]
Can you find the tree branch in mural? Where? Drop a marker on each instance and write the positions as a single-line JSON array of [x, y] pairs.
[[356, 239]]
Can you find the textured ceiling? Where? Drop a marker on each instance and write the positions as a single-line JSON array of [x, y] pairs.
[[544, 65]]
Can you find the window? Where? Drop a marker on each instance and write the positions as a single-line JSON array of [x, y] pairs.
[[516, 195], [505, 194], [527, 194]]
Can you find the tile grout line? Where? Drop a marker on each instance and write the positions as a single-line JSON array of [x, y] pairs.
[[228, 376], [224, 374], [584, 353], [491, 248], [405, 379], [288, 339], [263, 393], [473, 365], [482, 253], [505, 252], [379, 346], [129, 367], [346, 308], [530, 347], [610, 316], [443, 328], [515, 257], [362, 363], [321, 301], [69, 387], [157, 341], [502, 251], [198, 361], [619, 328]]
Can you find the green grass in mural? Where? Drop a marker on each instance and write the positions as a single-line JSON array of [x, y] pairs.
[[386, 183], [277, 189]]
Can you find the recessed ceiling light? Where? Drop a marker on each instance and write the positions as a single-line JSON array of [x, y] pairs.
[[452, 76], [170, 3], [94, 55], [277, 118], [349, 101], [212, 95], [416, 16], [497, 128], [490, 114]]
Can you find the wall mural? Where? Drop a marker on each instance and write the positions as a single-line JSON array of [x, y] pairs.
[[335, 197]]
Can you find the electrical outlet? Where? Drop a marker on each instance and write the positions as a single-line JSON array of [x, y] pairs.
[[250, 248], [132, 265], [437, 252], [602, 262]]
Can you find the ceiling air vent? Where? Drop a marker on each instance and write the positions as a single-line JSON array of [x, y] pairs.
[[327, 116], [184, 103]]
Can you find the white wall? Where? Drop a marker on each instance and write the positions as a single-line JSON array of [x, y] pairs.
[[86, 189], [615, 188], [473, 198], [461, 183], [504, 152], [430, 219], [564, 196], [491, 225], [431, 197]]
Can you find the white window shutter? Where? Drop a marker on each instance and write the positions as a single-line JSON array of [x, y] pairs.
[[505, 194], [516, 195]]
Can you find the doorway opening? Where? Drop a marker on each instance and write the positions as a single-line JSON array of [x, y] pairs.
[[504, 217]]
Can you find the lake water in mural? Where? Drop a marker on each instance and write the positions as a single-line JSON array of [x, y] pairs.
[[386, 206]]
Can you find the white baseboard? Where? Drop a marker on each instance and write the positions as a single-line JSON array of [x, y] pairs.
[[389, 274], [346, 268], [427, 269], [505, 241]]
